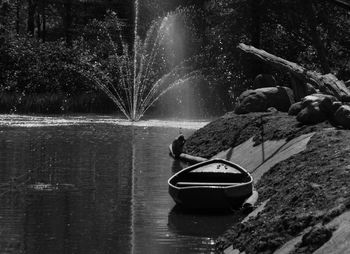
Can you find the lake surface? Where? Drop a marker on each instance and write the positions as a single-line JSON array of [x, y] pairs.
[[93, 186]]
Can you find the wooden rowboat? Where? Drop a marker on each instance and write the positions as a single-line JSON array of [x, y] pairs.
[[213, 184]]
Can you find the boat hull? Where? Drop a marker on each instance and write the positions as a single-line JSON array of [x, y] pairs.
[[210, 197]]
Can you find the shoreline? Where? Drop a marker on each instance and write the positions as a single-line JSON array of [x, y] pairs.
[[232, 130], [300, 198], [19, 120], [53, 104]]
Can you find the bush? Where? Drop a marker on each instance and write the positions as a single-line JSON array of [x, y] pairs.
[[32, 67]]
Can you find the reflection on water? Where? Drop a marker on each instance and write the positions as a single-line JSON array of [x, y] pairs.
[[39, 121], [97, 188], [193, 223]]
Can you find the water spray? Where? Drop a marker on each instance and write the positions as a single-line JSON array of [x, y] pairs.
[[143, 75], [135, 86]]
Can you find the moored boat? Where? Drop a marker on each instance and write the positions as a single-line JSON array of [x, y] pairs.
[[213, 184]]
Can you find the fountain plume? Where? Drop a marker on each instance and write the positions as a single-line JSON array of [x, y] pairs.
[[143, 74]]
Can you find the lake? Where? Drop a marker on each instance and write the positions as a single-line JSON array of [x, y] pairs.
[[95, 185]]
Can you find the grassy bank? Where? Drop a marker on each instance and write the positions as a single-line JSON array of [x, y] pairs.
[[232, 130], [302, 194]]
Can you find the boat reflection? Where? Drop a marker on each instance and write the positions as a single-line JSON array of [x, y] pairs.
[[201, 223]]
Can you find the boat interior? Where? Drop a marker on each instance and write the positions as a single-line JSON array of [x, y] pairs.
[[211, 179]]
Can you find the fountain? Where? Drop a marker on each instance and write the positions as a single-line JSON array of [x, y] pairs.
[[145, 74]]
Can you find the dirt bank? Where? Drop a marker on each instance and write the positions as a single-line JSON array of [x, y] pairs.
[[304, 193], [232, 130]]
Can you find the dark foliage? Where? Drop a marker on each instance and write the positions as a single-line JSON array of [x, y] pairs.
[[314, 34], [43, 42]]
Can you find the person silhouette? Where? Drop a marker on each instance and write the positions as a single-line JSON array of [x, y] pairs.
[[178, 145]]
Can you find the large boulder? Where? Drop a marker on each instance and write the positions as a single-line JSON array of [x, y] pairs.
[[295, 108], [335, 106], [323, 101], [264, 80], [311, 114], [342, 116], [345, 98], [317, 98], [261, 99], [329, 107], [316, 108]]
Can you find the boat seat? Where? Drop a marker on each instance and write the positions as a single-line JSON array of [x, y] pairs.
[[189, 184]]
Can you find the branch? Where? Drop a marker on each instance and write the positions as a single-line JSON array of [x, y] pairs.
[[328, 84]]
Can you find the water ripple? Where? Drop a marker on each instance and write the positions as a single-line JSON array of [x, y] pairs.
[[40, 121]]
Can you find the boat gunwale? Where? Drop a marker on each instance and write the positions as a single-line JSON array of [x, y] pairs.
[[236, 166]]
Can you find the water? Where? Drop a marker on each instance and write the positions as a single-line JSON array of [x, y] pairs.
[[112, 194]]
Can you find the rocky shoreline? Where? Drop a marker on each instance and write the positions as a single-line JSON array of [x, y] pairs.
[[303, 200]]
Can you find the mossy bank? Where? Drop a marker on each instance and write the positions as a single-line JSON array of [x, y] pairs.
[[302, 195]]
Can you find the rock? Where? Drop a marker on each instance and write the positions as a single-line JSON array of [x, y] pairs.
[[317, 97], [347, 83], [261, 99], [251, 101], [326, 106], [230, 250], [345, 98], [295, 108], [264, 80], [310, 89], [272, 110], [336, 105], [342, 116], [324, 102], [311, 114], [314, 108]]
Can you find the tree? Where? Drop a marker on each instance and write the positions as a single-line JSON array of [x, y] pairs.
[[31, 17], [317, 41]]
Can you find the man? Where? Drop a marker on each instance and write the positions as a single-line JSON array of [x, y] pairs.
[[178, 145]]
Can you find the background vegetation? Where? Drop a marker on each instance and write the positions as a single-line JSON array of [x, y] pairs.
[[43, 43]]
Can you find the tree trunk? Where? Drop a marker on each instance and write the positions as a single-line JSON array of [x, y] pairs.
[[18, 8], [43, 15], [31, 17], [38, 25], [342, 3], [68, 22], [256, 23], [327, 84], [299, 88], [255, 9], [316, 37]]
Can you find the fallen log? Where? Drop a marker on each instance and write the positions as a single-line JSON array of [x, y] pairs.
[[328, 83], [186, 157], [342, 3], [191, 159]]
